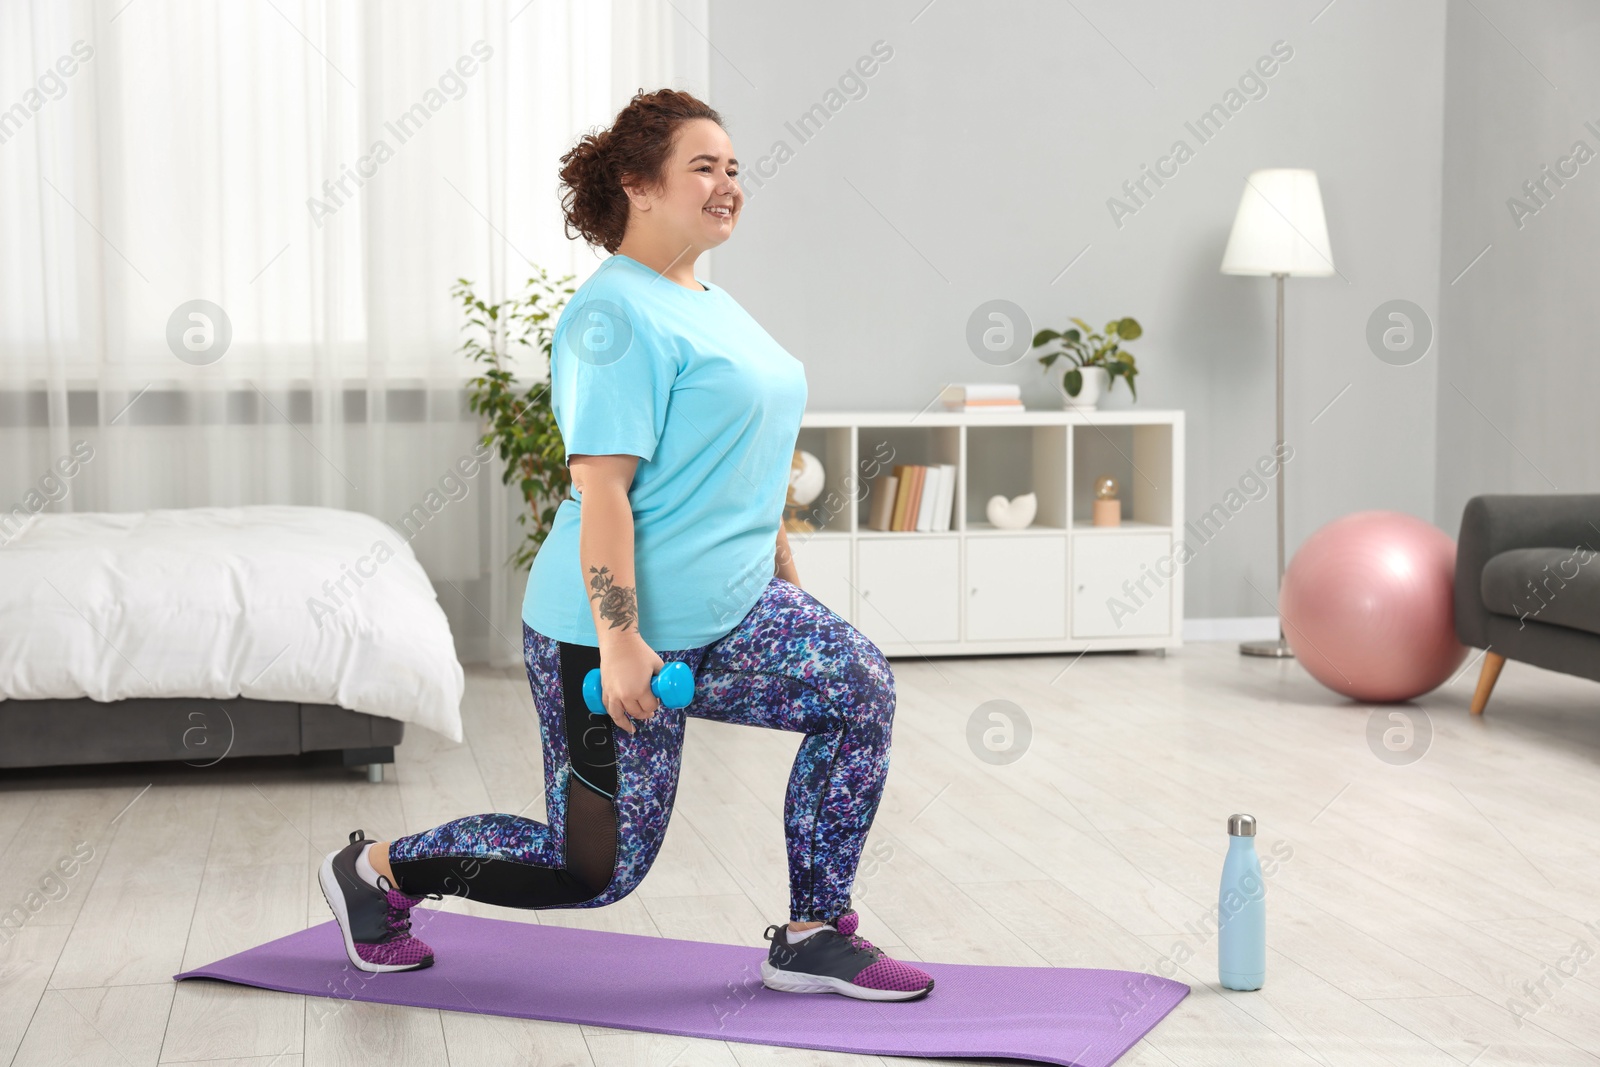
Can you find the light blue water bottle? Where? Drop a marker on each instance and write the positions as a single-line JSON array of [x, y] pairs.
[[1242, 910]]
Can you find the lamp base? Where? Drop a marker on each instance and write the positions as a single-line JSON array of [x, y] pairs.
[[1278, 649]]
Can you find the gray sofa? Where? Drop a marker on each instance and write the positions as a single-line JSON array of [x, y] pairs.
[[1528, 584], [201, 733]]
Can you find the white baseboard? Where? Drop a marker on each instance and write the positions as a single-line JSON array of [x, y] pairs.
[[1256, 628]]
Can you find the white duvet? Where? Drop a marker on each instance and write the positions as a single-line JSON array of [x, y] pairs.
[[314, 605]]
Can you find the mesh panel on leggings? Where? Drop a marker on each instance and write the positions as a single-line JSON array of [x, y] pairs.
[[591, 836], [591, 817], [591, 827]]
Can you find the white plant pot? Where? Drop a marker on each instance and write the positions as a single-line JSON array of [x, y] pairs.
[[1095, 382]]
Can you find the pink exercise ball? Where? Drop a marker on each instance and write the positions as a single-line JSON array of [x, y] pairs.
[[1368, 606]]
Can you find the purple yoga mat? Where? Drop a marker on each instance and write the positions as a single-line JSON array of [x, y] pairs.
[[1067, 1016]]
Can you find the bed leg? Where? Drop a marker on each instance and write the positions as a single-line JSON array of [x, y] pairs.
[[371, 758]]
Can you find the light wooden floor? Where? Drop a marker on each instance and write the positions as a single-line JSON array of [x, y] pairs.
[[1419, 902]]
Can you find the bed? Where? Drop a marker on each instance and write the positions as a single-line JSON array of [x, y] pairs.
[[198, 634]]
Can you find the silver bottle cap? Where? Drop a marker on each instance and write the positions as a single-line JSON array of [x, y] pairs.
[[1242, 825]]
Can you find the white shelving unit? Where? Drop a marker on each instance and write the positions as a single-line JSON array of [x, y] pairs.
[[1060, 585]]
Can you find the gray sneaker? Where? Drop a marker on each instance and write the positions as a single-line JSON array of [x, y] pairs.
[[374, 921], [836, 960]]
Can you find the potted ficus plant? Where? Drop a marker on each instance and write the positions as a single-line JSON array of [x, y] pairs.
[[1095, 360], [515, 405]]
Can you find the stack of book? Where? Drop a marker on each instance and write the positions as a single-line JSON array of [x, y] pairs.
[[914, 498], [982, 396]]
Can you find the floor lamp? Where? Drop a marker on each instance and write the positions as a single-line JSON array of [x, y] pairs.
[[1279, 230]]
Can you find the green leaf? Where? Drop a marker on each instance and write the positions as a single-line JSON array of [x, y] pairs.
[[1044, 337], [1073, 381], [1130, 329]]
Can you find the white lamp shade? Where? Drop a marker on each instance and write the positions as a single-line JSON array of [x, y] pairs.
[[1280, 228]]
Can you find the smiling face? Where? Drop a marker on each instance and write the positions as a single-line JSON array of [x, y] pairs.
[[698, 203]]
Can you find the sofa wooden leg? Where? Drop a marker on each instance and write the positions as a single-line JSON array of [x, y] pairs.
[[1492, 662]]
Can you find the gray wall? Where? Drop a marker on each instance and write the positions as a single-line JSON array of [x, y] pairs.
[[1520, 383], [979, 163]]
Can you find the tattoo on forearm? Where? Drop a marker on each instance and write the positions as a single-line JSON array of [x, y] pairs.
[[618, 603]]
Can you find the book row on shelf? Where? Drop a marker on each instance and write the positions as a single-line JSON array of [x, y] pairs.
[[913, 497]]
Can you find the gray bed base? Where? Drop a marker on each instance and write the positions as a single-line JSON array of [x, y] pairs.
[[201, 733]]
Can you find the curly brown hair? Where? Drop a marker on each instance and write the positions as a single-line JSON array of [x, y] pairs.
[[635, 148]]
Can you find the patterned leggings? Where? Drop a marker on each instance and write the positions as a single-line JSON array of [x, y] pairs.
[[790, 664]]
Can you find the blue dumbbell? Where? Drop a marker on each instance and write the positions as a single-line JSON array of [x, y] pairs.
[[674, 687]]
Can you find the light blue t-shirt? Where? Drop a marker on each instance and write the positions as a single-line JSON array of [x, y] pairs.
[[691, 384]]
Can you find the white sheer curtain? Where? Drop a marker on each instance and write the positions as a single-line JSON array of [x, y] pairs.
[[322, 172]]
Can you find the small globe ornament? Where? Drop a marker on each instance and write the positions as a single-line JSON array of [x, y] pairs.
[[806, 481], [1105, 488]]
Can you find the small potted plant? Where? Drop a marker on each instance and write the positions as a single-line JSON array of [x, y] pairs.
[[1095, 360]]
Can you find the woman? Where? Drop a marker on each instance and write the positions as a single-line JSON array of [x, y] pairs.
[[679, 414]]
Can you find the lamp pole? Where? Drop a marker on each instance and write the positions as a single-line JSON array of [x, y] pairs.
[[1279, 648]]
